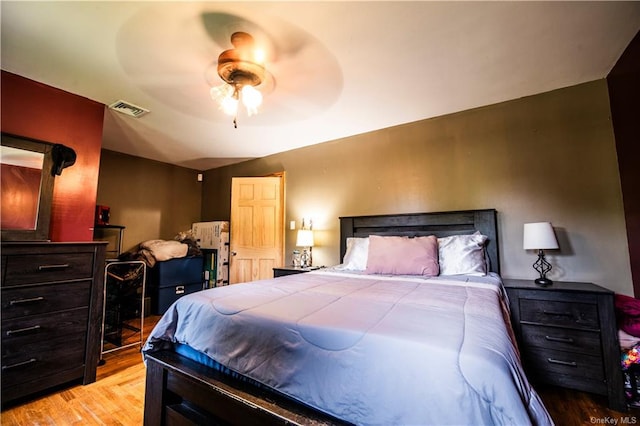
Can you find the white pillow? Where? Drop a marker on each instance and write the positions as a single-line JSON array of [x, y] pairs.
[[462, 254], [355, 258]]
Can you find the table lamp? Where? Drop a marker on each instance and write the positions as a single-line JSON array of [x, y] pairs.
[[305, 240], [540, 236]]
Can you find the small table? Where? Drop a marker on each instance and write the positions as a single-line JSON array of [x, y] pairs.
[[290, 270], [106, 233]]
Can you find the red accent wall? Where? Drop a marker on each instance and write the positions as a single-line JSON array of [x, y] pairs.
[[38, 111], [624, 92]]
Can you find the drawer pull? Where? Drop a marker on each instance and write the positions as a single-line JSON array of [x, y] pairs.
[[180, 289], [30, 300], [45, 268], [23, 330], [19, 364], [559, 339], [557, 361], [560, 314]]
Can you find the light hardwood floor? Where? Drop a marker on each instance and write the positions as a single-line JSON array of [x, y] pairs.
[[117, 398]]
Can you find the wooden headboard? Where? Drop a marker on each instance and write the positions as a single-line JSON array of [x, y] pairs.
[[440, 224]]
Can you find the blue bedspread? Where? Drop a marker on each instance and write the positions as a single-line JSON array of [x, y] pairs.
[[366, 349]]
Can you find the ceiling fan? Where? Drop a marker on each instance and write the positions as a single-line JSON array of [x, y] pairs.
[[242, 69], [190, 49]]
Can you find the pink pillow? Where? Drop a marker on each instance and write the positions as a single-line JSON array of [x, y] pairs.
[[403, 255]]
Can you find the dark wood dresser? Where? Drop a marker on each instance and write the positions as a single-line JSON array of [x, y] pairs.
[[567, 335], [52, 297]]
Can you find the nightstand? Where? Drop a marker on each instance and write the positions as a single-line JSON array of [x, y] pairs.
[[290, 270], [567, 335]]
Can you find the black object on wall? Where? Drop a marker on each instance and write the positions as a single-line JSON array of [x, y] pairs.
[[63, 157]]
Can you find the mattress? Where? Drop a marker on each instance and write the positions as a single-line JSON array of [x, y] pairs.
[[367, 349]]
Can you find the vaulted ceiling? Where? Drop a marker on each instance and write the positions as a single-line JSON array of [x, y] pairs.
[[336, 68]]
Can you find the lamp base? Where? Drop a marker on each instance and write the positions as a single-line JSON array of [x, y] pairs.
[[305, 260], [543, 282]]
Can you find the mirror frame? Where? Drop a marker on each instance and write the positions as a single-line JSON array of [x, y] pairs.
[[41, 231]]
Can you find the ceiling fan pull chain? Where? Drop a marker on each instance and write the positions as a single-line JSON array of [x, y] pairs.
[[235, 122]]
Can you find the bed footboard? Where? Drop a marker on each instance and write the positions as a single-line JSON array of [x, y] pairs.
[[181, 391]]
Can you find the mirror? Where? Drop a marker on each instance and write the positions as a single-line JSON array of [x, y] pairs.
[[26, 188]]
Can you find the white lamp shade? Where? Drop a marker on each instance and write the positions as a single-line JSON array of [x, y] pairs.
[[539, 236], [305, 238]]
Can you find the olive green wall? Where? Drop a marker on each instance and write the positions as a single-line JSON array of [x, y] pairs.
[[153, 200], [549, 157]]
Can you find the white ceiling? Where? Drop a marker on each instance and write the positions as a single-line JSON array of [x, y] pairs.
[[338, 68]]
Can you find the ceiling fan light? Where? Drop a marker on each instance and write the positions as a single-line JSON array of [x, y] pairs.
[[229, 105], [241, 68], [251, 99], [218, 93]]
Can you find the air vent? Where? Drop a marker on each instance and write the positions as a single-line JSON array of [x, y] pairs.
[[128, 108]]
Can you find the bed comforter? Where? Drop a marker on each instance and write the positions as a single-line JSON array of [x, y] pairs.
[[366, 349]]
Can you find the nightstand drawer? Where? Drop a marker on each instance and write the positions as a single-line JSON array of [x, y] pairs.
[[292, 270], [564, 314], [547, 363], [561, 339]]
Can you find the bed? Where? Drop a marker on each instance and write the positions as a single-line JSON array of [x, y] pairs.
[[397, 342]]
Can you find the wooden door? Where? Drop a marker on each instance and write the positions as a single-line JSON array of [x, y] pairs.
[[257, 226]]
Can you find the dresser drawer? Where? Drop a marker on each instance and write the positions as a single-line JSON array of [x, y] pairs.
[[18, 332], [23, 301], [40, 359], [565, 314], [41, 268], [547, 363], [561, 339]]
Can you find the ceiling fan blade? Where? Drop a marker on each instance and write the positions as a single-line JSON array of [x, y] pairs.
[[219, 26]]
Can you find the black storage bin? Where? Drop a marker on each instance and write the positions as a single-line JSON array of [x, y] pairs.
[[172, 279]]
